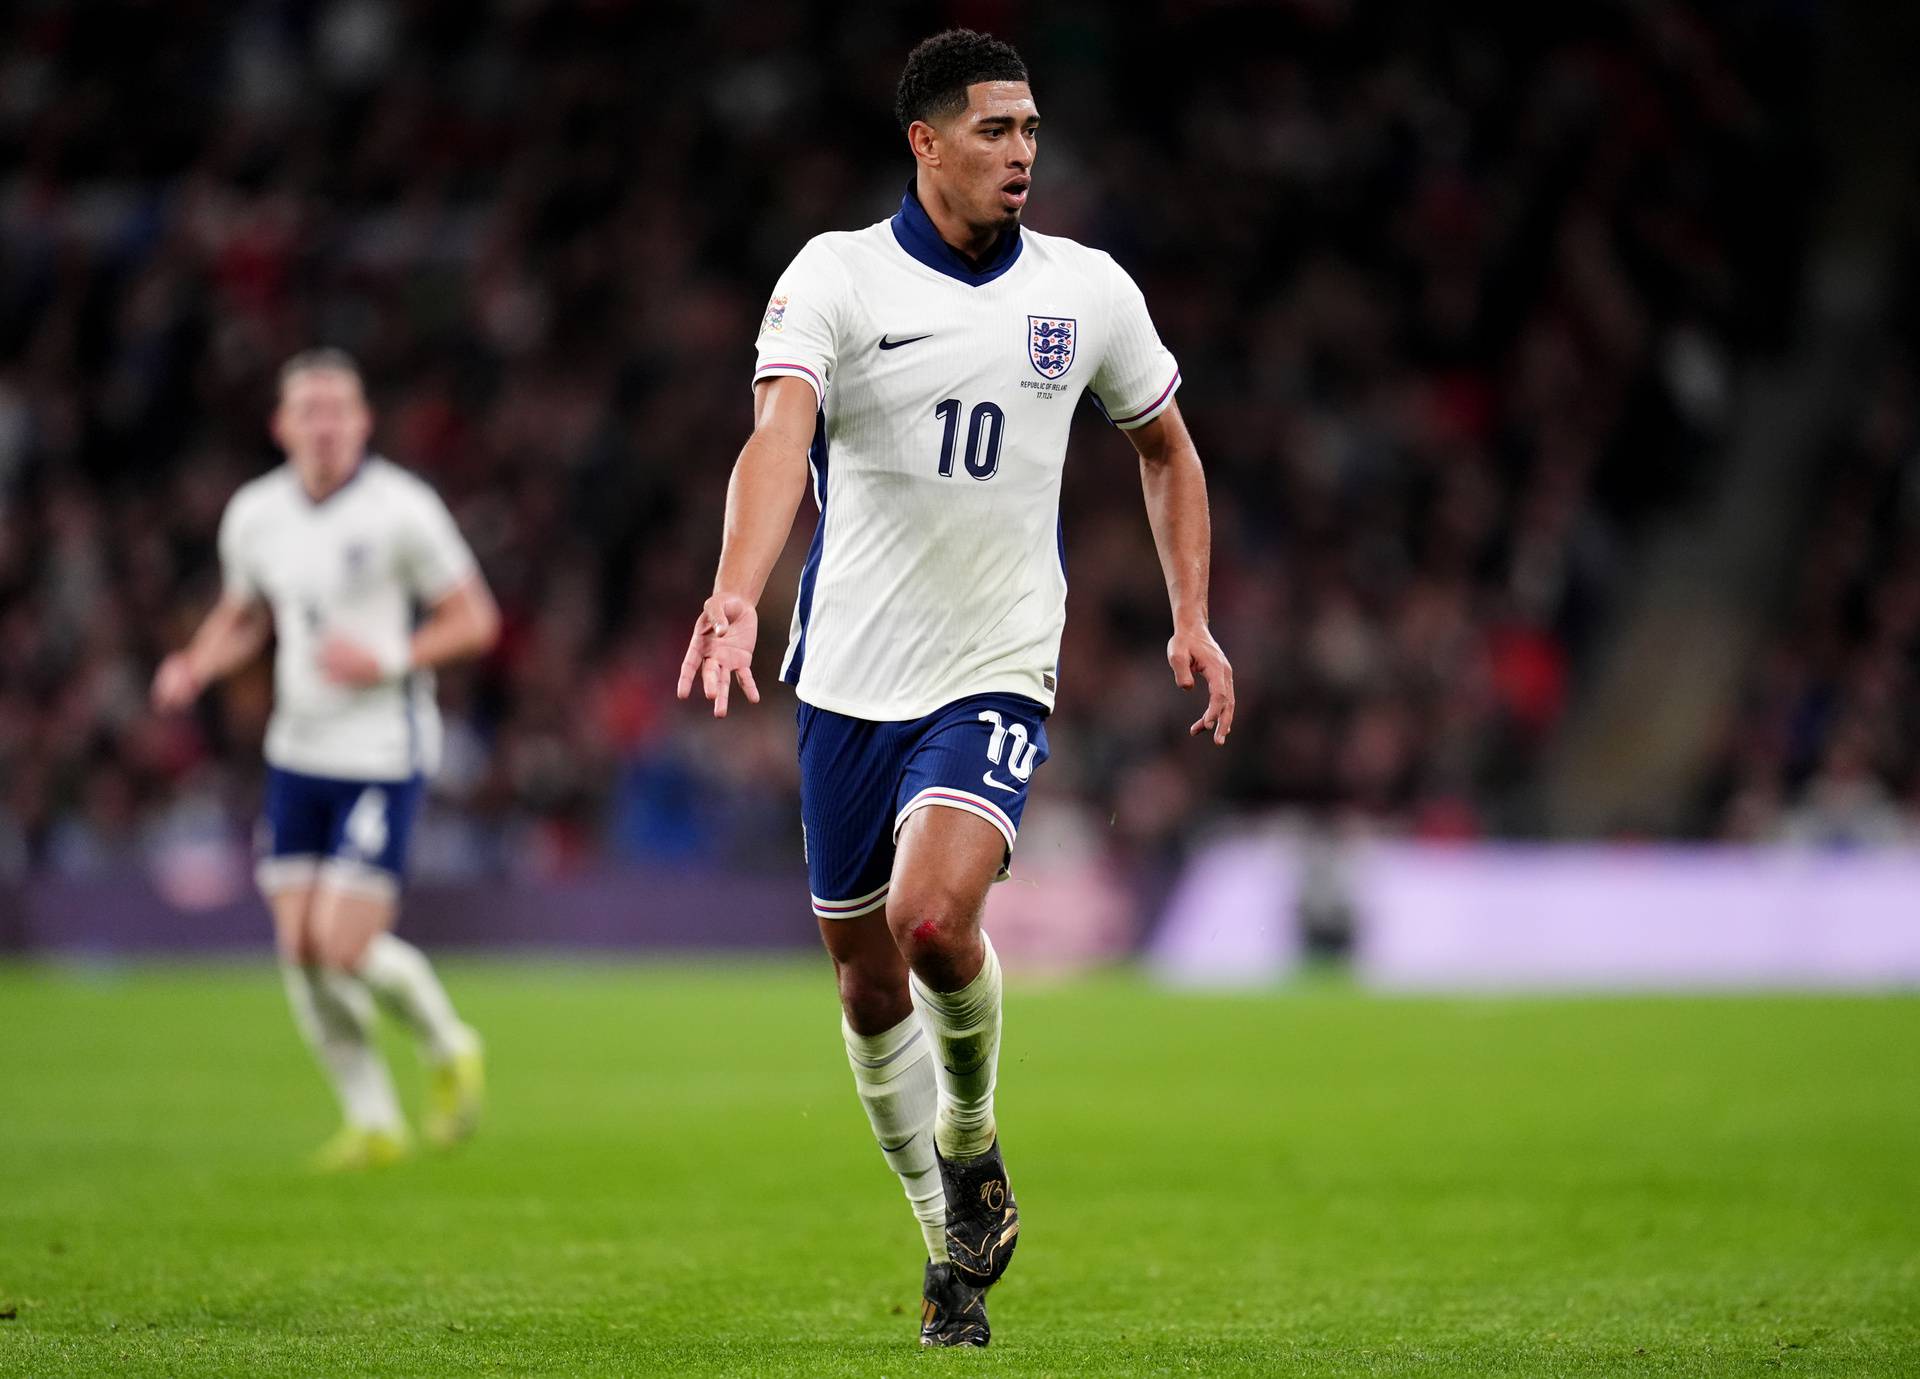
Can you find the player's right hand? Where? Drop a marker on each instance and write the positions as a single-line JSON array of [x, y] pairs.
[[175, 685], [722, 647]]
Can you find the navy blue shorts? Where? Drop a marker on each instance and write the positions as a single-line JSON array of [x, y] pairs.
[[352, 833], [860, 781]]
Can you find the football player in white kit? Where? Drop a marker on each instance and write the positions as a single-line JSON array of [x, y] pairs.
[[923, 373], [339, 553]]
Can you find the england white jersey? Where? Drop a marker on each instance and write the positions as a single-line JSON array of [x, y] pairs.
[[946, 391], [361, 563]]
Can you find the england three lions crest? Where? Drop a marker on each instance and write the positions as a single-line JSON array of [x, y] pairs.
[[1050, 344]]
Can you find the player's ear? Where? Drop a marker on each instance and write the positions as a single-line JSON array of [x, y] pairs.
[[924, 140]]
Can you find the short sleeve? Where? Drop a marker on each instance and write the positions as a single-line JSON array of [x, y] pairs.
[[798, 332], [436, 557], [1137, 376], [236, 574]]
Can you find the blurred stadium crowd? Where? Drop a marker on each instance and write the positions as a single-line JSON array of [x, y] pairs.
[[1459, 308], [1826, 748]]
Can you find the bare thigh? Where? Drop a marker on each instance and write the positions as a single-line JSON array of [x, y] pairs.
[[343, 922], [292, 908]]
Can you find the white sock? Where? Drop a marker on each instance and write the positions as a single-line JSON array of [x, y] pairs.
[[335, 1013], [893, 1072], [403, 979], [964, 1027]]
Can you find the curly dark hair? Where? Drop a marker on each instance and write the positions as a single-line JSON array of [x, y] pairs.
[[933, 84]]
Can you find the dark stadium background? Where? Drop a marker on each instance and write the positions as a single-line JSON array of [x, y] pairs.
[[1554, 369]]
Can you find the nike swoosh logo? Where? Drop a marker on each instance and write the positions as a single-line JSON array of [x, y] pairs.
[[1010, 789], [887, 344]]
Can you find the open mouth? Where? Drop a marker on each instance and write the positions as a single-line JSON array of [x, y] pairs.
[[1015, 190]]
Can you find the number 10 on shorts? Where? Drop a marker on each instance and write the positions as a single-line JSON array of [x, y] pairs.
[[1020, 757]]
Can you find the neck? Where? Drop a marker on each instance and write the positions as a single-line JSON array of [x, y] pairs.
[[972, 240], [317, 487]]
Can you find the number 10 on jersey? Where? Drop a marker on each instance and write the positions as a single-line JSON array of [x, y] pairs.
[[984, 425]]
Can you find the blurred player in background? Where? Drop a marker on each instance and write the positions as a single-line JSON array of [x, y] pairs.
[[926, 370], [338, 552]]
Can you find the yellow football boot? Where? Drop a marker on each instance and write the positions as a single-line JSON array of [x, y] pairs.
[[455, 1091], [354, 1149]]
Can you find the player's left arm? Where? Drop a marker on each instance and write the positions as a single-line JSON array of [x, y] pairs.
[[461, 624], [1176, 493], [465, 623], [440, 572]]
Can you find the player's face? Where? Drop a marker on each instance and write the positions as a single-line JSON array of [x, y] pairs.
[[323, 423], [987, 152]]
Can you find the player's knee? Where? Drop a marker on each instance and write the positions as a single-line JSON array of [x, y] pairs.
[[338, 951], [873, 988], [294, 942], [873, 1000], [869, 973], [934, 926]]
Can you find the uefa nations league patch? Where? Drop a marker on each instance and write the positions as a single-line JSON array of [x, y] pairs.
[[1050, 344], [776, 317]]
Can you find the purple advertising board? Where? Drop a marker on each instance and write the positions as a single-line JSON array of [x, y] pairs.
[[665, 909], [1635, 917]]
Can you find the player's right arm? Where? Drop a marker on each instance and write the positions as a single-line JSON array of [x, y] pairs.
[[228, 638], [797, 349], [233, 633], [762, 496]]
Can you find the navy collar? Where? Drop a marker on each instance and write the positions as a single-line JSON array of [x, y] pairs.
[[915, 231]]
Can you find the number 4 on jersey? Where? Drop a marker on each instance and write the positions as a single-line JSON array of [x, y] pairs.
[[984, 425]]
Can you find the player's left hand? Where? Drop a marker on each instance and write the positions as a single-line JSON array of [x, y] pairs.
[[346, 662], [1193, 650], [721, 648]]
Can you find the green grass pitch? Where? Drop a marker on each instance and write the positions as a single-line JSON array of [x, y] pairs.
[[677, 1180]]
